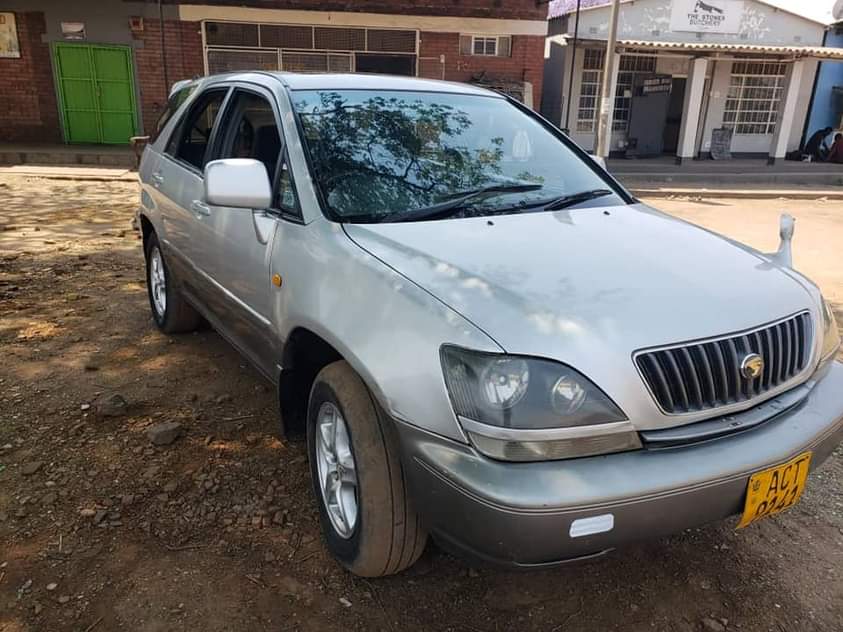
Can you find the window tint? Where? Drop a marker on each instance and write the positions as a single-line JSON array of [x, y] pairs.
[[190, 142], [251, 131], [173, 104]]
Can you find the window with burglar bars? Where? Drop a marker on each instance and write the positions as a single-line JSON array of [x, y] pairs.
[[592, 77], [631, 66], [752, 104], [235, 46]]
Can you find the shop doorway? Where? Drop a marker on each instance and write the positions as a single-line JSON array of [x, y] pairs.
[[385, 64], [673, 120], [96, 93]]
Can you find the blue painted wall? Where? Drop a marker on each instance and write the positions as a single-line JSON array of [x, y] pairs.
[[829, 75]]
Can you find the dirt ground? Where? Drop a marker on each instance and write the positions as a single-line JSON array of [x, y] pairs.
[[101, 530]]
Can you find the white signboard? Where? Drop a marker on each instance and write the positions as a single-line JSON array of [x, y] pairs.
[[706, 16], [9, 46]]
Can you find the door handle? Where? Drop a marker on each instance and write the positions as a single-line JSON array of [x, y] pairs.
[[157, 179], [200, 208]]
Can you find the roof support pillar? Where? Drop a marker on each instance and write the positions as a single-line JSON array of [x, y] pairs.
[[787, 110], [691, 109]]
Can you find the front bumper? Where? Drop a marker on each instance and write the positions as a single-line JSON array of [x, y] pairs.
[[521, 514]]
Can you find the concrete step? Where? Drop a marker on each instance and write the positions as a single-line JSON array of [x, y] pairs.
[[62, 155]]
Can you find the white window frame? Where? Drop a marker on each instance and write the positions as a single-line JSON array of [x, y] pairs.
[[592, 77], [752, 102], [485, 39]]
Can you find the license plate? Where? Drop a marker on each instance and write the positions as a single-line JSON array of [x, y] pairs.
[[773, 490]]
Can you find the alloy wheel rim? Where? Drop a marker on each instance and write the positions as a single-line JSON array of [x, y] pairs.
[[337, 469], [158, 282]]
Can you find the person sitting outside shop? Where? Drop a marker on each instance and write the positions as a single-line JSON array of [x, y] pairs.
[[816, 147], [835, 154]]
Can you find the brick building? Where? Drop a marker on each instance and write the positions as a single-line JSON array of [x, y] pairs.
[[98, 71]]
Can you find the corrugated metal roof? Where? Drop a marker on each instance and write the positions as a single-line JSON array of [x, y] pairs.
[[820, 11], [818, 52]]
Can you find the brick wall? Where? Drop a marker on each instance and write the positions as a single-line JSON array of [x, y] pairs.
[[183, 45], [28, 109], [526, 63], [501, 9]]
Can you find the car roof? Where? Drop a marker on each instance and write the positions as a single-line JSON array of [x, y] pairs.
[[355, 81]]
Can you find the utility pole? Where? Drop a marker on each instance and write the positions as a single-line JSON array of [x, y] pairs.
[[567, 122], [604, 132]]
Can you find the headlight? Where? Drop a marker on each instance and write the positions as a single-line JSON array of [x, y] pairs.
[[517, 408], [831, 335]]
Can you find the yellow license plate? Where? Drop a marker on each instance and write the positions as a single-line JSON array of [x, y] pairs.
[[772, 491]]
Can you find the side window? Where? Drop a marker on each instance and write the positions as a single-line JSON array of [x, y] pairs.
[[190, 142], [285, 194], [251, 131], [173, 104]]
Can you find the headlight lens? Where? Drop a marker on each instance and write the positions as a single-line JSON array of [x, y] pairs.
[[523, 393], [504, 382], [831, 335]]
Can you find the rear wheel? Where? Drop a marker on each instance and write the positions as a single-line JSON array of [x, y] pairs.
[[367, 516], [170, 311]]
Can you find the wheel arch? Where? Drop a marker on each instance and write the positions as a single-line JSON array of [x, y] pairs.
[[146, 229], [305, 353]]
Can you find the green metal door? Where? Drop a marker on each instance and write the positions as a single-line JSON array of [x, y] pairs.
[[96, 92]]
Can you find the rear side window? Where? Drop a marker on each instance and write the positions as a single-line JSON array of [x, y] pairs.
[[190, 141], [173, 104]]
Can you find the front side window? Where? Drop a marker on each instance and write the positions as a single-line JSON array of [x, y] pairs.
[[376, 156], [250, 130], [190, 141]]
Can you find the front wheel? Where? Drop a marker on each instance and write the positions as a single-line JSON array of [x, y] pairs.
[[367, 516], [170, 311]]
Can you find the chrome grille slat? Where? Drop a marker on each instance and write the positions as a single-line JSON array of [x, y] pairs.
[[768, 353], [676, 378], [785, 352], [706, 375]]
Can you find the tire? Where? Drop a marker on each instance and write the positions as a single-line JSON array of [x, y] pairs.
[[172, 315], [386, 536]]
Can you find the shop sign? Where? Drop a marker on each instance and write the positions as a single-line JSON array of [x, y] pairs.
[[706, 16]]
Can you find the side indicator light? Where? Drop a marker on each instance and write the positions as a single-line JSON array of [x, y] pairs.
[[276, 280]]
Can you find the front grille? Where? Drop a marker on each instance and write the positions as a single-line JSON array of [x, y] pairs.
[[704, 375]]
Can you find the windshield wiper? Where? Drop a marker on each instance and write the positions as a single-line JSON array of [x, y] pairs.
[[557, 204], [456, 203]]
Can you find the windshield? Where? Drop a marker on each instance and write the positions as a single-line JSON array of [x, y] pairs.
[[392, 155]]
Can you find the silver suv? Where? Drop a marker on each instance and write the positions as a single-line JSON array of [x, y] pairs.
[[485, 336]]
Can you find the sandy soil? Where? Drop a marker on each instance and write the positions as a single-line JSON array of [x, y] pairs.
[[101, 530]]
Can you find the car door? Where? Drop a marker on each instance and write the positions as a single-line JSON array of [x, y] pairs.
[[236, 252], [179, 181]]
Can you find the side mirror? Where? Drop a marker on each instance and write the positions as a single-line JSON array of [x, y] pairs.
[[600, 160], [237, 182]]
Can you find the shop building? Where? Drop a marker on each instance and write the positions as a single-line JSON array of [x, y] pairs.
[[90, 71], [693, 77]]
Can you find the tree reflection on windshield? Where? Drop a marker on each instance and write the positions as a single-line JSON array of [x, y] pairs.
[[375, 154]]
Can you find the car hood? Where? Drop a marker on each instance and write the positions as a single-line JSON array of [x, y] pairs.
[[590, 286]]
